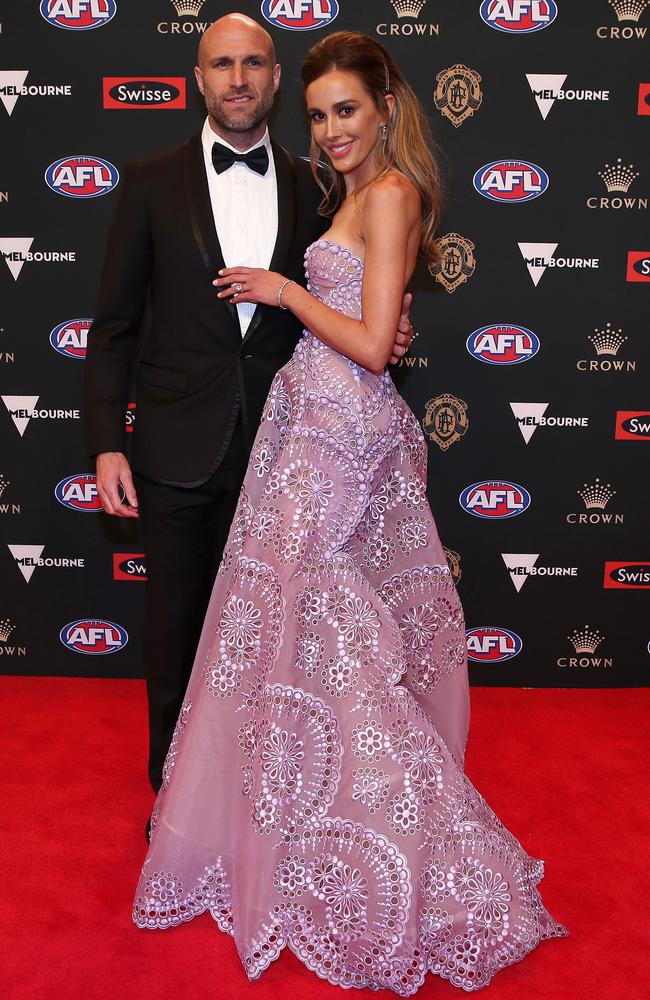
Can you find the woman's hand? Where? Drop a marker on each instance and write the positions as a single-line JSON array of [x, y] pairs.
[[249, 284]]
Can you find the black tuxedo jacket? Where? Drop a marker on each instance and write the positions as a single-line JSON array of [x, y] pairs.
[[193, 372]]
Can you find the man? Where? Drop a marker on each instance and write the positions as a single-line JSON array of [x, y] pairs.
[[229, 195]]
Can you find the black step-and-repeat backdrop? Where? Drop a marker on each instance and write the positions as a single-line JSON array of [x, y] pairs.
[[530, 368]]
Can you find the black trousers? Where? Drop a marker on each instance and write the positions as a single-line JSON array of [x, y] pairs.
[[185, 531]]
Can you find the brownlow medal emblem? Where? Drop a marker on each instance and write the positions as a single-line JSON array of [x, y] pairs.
[[453, 561], [445, 420], [457, 262], [458, 94]]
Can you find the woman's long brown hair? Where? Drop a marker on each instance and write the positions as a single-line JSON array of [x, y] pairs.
[[407, 147]]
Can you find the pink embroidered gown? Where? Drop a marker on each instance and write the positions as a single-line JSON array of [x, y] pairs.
[[314, 794]]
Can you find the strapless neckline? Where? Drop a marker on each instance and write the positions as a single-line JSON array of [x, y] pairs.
[[340, 246]]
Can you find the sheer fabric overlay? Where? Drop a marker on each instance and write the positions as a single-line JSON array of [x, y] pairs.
[[314, 794]]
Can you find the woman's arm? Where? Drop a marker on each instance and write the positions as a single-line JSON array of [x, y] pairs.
[[391, 213]]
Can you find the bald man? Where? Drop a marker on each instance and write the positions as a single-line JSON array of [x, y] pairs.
[[201, 366]]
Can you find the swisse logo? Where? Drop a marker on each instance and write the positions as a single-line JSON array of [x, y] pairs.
[[632, 425], [29, 557], [547, 88], [134, 92], [518, 16], [596, 497], [539, 256], [407, 24], [71, 338], [79, 492], [78, 15], [300, 15], [490, 644], [495, 499], [643, 100], [606, 342], [627, 576], [522, 565], [81, 176], [638, 265], [129, 566], [510, 181], [530, 416], [503, 344], [130, 417], [93, 636], [626, 11], [585, 642], [22, 409]]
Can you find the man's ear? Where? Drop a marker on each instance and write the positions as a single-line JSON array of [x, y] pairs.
[[198, 73], [277, 73]]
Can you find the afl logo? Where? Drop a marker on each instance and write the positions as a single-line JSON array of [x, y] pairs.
[[81, 176], [94, 636], [510, 181], [518, 16], [486, 644], [503, 344], [495, 499], [71, 338], [79, 493], [300, 15], [78, 15]]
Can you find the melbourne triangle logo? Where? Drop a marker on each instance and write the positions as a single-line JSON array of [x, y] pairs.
[[20, 409], [26, 557], [14, 249], [536, 257], [11, 84]]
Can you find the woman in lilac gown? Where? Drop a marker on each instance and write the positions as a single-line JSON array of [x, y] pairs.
[[314, 794]]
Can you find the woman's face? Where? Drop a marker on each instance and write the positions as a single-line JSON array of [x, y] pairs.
[[345, 121]]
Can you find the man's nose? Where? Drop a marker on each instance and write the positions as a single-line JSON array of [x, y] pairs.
[[238, 76]]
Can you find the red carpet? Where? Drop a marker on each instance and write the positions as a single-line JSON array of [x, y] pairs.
[[566, 770]]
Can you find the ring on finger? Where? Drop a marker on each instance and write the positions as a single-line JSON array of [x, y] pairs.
[[239, 288]]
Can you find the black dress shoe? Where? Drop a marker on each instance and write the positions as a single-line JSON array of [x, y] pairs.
[[148, 830]]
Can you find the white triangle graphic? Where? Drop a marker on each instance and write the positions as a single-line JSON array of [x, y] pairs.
[[516, 562], [532, 410], [15, 403], [15, 244], [32, 552], [13, 78], [534, 252], [540, 82]]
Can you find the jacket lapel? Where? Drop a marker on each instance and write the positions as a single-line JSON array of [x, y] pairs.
[[285, 178], [197, 195]]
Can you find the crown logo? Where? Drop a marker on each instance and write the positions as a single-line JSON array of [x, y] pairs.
[[6, 628], [586, 640], [410, 8], [629, 10], [618, 177], [3, 484], [596, 496], [607, 341], [188, 8]]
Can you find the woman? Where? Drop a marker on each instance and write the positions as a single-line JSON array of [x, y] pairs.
[[314, 793]]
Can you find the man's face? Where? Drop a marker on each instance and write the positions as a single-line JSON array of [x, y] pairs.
[[237, 78]]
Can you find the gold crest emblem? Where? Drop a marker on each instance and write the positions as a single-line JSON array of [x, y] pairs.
[[453, 561], [458, 94], [457, 261], [445, 420]]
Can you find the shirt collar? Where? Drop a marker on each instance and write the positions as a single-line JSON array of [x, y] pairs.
[[209, 136]]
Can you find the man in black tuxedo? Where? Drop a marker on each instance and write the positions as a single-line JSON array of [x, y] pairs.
[[229, 195]]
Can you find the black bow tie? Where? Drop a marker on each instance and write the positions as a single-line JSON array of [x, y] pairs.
[[223, 158]]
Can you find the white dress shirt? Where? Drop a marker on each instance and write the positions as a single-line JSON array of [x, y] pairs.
[[245, 210]]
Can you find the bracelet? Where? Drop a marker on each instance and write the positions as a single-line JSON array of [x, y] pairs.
[[282, 287]]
